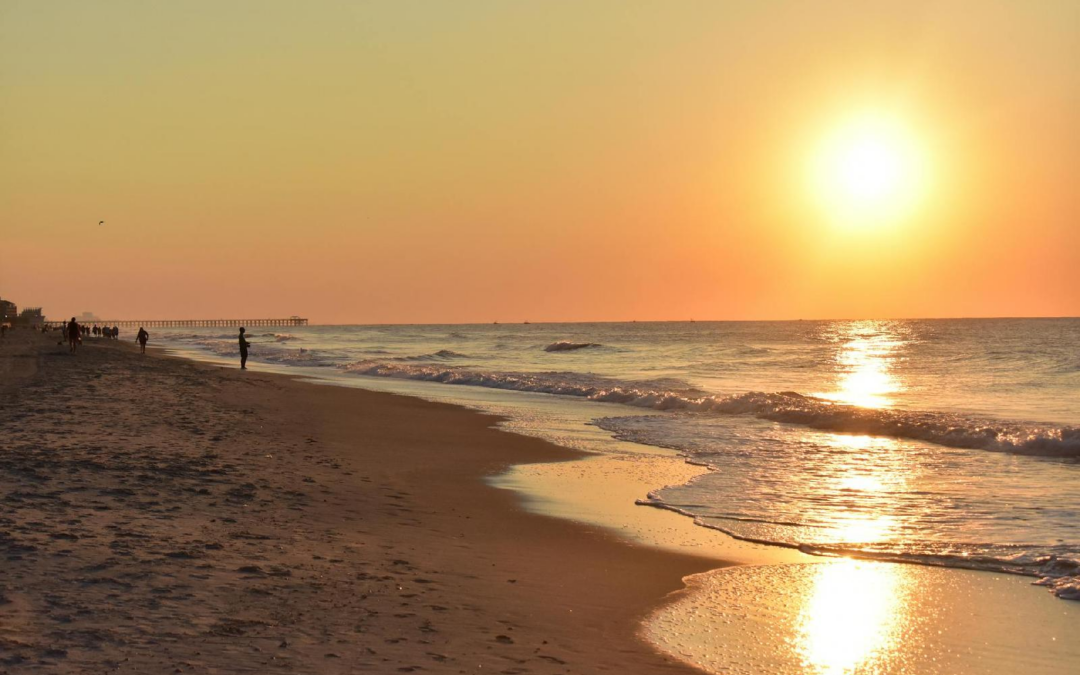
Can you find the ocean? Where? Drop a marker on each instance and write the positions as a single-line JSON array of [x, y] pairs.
[[940, 442]]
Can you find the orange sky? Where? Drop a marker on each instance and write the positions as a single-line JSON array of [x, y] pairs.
[[481, 161]]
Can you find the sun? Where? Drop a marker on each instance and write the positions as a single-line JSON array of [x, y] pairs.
[[870, 169]]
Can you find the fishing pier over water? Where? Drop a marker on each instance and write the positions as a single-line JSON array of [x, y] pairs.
[[192, 323]]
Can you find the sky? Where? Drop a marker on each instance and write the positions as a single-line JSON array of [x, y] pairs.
[[475, 161]]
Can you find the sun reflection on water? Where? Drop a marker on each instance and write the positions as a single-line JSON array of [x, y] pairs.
[[860, 529], [852, 494], [854, 615], [865, 364]]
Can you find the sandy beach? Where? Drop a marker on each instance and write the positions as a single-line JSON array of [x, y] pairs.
[[167, 516], [162, 515]]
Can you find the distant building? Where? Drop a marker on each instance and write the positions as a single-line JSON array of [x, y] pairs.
[[88, 317], [31, 316], [8, 312]]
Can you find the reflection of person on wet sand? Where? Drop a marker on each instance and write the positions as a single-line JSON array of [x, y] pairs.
[[244, 344], [74, 337], [142, 338]]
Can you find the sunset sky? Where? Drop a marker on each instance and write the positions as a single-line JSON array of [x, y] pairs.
[[471, 161]]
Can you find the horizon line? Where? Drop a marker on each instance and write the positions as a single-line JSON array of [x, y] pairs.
[[612, 321]]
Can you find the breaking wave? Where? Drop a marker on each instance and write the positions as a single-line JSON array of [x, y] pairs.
[[951, 430], [563, 346], [441, 355]]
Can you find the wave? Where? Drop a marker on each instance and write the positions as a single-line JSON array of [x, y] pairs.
[[563, 346], [1062, 577], [282, 337], [951, 430], [268, 352], [198, 338], [593, 387], [441, 355]]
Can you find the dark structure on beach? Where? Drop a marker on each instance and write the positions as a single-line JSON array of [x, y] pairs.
[[8, 312], [29, 316]]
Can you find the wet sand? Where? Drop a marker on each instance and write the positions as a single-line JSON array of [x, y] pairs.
[[852, 617], [165, 516]]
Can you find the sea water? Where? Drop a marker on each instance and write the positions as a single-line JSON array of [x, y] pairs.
[[941, 442]]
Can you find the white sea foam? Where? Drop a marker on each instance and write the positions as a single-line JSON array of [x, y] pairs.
[[1062, 577], [947, 429]]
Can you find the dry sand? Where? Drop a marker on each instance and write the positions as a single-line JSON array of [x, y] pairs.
[[164, 516]]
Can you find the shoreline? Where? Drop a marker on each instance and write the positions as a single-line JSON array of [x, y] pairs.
[[543, 487], [567, 489], [269, 496]]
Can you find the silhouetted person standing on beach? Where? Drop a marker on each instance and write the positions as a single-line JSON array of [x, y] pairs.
[[74, 334], [244, 344], [141, 337]]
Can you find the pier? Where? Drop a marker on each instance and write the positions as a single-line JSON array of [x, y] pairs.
[[191, 323]]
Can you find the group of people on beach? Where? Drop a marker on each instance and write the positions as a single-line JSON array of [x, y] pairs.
[[74, 329], [74, 332]]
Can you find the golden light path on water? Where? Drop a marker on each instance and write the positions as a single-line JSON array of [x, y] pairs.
[[855, 608], [865, 364], [861, 465], [854, 611], [870, 486]]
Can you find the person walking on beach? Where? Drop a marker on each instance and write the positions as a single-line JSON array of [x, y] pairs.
[[142, 337], [244, 344], [74, 332]]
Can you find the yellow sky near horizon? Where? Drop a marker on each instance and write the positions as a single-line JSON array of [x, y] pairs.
[[482, 161]]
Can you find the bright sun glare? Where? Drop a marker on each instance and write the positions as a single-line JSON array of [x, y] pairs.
[[871, 169]]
